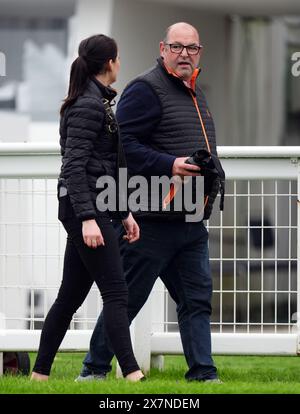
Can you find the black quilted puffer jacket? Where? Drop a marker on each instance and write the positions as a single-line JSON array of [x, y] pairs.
[[88, 149]]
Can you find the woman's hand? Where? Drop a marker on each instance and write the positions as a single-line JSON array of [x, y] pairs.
[[91, 233], [132, 229]]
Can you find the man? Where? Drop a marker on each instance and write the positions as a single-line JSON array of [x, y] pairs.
[[163, 119]]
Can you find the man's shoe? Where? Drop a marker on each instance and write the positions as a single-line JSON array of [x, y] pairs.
[[213, 381], [91, 377], [207, 380]]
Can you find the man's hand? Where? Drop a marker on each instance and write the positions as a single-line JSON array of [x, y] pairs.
[[132, 229], [183, 169]]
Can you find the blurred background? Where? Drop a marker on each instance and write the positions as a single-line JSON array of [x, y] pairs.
[[255, 100], [246, 64]]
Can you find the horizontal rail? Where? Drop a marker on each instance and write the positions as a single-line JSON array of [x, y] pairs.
[[232, 343], [163, 343], [21, 148], [43, 160]]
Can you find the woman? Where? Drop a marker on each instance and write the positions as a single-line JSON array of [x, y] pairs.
[[90, 148]]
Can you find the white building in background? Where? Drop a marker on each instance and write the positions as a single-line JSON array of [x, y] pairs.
[[245, 75], [247, 45]]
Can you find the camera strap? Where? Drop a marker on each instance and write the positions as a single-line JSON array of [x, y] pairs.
[[215, 158]]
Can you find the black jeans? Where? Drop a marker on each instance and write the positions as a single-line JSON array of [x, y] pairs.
[[83, 266], [178, 253]]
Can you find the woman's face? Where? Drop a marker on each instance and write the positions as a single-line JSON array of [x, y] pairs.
[[114, 68]]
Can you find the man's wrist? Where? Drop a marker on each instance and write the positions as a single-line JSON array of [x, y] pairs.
[[168, 164]]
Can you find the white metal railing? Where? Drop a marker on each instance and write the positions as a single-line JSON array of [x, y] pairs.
[[254, 251]]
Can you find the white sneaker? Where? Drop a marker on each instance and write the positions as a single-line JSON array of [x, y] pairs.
[[214, 381], [91, 377]]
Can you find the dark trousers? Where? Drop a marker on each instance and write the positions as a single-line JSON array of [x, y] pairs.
[[178, 253], [82, 267]]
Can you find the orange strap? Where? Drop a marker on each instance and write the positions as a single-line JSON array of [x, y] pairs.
[[169, 197], [205, 202], [201, 121], [173, 190]]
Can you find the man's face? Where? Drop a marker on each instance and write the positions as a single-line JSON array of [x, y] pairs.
[[183, 63]]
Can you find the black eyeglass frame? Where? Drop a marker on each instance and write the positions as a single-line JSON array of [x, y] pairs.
[[182, 47]]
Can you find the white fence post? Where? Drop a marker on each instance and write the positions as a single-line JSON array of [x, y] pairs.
[[298, 256], [158, 362], [1, 363], [2, 326], [158, 305], [142, 337]]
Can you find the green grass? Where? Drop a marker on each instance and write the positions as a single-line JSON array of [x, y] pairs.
[[240, 374]]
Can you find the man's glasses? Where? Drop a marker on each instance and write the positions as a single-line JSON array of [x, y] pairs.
[[190, 49]]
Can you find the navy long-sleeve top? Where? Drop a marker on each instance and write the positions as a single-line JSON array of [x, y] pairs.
[[138, 114]]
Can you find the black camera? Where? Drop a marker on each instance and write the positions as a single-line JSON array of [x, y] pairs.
[[214, 178], [202, 159]]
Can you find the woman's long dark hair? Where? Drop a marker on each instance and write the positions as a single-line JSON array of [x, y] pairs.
[[94, 53]]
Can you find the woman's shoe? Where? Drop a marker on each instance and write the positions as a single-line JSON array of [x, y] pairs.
[[135, 376], [35, 376]]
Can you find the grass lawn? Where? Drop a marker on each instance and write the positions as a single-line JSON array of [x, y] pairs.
[[240, 374]]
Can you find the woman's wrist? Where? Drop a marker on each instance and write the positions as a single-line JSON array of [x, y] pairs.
[[129, 215], [88, 221]]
